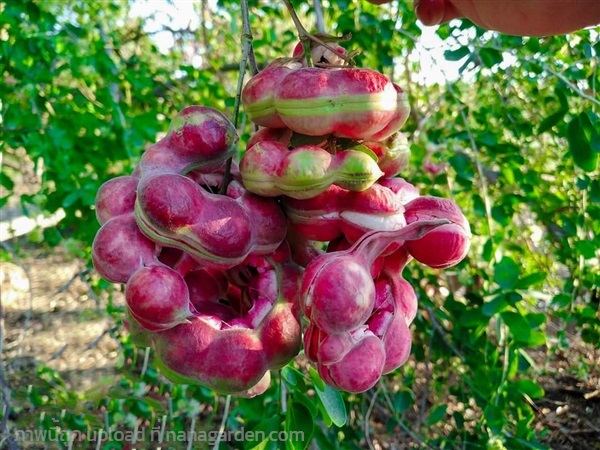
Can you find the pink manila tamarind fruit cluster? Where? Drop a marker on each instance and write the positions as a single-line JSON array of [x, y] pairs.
[[217, 284]]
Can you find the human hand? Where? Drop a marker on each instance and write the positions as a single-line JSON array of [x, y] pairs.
[[517, 17]]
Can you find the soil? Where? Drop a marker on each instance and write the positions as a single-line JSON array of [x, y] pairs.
[[51, 316]]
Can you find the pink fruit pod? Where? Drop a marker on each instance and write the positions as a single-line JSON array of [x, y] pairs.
[[303, 250], [405, 191], [214, 229], [400, 291], [393, 331], [393, 154], [208, 293], [199, 137], [348, 102], [269, 224], [229, 361], [115, 197], [324, 348], [281, 135], [258, 93], [119, 249], [157, 298], [360, 368], [258, 389], [269, 169], [398, 119], [338, 212], [338, 292], [446, 246]]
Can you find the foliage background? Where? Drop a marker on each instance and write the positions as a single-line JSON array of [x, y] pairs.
[[84, 88]]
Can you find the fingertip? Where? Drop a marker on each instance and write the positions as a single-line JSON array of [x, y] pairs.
[[430, 12]]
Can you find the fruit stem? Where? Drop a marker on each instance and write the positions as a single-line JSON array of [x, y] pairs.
[[247, 52], [372, 244], [302, 33]]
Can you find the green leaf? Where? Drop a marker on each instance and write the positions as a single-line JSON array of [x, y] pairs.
[[580, 147], [472, 318], [437, 414], [506, 273], [307, 401], [490, 56], [331, 402], [529, 387], [531, 280], [519, 327], [403, 400], [264, 428], [291, 376], [550, 121], [299, 426], [458, 54], [495, 306]]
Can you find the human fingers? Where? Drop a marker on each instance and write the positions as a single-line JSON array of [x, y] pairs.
[[435, 12]]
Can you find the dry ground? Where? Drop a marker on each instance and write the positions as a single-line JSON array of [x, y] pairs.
[[52, 317]]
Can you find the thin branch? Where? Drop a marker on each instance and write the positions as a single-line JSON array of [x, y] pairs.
[[319, 16], [367, 419], [407, 430], [246, 50], [442, 332], [305, 36], [223, 420]]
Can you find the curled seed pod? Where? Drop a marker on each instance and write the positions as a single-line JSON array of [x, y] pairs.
[[398, 119], [258, 93], [446, 246], [360, 368], [269, 169], [199, 137], [115, 197], [338, 212], [158, 298], [348, 102], [338, 292], [393, 154], [119, 249]]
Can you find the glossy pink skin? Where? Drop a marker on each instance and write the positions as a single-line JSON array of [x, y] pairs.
[[269, 169], [206, 289], [334, 213], [281, 135], [393, 154], [445, 246], [338, 293], [119, 249], [398, 119], [258, 389], [232, 357], [401, 291], [199, 136], [115, 197], [280, 334], [405, 191], [310, 83], [214, 229], [157, 298], [269, 224], [360, 369], [261, 88], [228, 361]]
